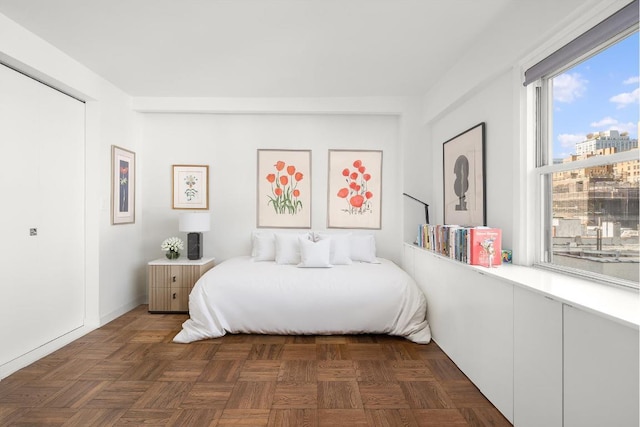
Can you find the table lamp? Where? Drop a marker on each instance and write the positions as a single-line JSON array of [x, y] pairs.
[[194, 223]]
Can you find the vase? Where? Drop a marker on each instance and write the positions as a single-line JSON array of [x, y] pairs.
[[173, 254]]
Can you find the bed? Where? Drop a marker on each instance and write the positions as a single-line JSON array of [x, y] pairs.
[[306, 295]]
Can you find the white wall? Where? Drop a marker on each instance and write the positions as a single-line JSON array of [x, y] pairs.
[[114, 272], [486, 86], [228, 143], [499, 149]]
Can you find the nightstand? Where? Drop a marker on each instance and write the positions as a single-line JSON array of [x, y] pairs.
[[171, 281]]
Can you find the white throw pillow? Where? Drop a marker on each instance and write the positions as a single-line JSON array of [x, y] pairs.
[[363, 248], [340, 247], [288, 248], [314, 254], [264, 247]]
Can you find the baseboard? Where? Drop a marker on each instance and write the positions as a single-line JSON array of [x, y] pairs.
[[122, 310], [56, 344], [42, 351]]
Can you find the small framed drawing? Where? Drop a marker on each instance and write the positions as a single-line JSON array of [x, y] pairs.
[[190, 187], [123, 186], [284, 188], [355, 189], [464, 178]]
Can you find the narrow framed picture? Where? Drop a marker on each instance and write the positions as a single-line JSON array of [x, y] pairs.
[[464, 178], [355, 189], [284, 189], [190, 187], [123, 186]]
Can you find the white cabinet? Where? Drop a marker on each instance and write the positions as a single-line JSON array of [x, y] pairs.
[[537, 359], [600, 371], [471, 319]]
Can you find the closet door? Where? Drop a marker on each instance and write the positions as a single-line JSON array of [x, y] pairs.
[[41, 215]]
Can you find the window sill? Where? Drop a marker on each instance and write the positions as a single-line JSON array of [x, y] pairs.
[[617, 304]]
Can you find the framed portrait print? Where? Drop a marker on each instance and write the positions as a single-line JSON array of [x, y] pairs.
[[123, 186], [464, 178], [354, 189], [191, 187], [284, 188]]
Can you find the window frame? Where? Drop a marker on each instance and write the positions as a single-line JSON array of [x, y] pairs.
[[538, 100]]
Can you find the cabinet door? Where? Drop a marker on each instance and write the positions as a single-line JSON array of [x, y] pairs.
[[42, 186], [179, 298], [176, 276], [600, 371], [159, 277], [181, 280], [537, 360], [471, 319], [408, 260]]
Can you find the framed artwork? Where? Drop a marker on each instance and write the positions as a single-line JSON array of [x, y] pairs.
[[191, 187], [354, 189], [284, 188], [123, 186], [464, 178]]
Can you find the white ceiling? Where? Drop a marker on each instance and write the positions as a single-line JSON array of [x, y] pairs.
[[261, 48]]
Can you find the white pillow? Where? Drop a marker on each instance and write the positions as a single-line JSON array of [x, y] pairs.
[[288, 248], [363, 248], [264, 247], [340, 247], [314, 254]]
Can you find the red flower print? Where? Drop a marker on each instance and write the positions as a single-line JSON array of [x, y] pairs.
[[356, 194], [356, 201], [284, 197]]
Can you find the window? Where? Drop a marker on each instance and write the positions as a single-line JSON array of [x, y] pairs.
[[587, 155]]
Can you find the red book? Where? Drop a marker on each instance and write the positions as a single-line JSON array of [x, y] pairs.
[[484, 243]]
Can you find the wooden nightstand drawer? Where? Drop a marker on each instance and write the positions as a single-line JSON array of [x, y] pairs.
[[171, 281]]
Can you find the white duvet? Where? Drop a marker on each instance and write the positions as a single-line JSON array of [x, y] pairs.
[[243, 296]]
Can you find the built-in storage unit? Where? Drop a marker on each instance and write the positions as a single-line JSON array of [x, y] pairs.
[[171, 281], [42, 188], [544, 348]]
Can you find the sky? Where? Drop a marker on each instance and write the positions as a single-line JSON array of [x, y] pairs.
[[599, 94]]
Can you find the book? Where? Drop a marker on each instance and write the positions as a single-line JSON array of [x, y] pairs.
[[484, 246]]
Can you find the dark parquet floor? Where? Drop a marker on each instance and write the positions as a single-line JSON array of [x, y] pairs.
[[129, 373]]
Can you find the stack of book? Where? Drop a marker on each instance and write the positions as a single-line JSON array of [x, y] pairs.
[[471, 245]]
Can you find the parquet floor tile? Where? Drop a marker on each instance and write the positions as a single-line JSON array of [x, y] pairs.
[[130, 373]]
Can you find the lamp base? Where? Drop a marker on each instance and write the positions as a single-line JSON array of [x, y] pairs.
[[194, 246]]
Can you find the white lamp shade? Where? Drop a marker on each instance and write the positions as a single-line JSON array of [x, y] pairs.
[[194, 222]]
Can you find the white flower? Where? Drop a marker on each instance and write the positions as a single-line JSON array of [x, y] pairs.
[[172, 244]]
